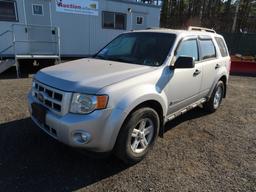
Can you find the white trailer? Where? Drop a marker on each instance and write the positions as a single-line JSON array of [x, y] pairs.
[[51, 29]]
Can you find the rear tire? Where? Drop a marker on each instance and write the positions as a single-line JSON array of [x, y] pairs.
[[137, 135], [216, 98]]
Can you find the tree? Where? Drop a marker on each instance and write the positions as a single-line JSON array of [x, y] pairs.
[[218, 14], [165, 13]]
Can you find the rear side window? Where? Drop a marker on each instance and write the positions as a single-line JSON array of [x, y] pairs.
[[188, 48], [222, 46], [207, 49]]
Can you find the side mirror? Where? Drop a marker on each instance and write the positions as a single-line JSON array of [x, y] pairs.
[[183, 63]]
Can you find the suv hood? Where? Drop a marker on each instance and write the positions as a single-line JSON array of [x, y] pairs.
[[88, 75]]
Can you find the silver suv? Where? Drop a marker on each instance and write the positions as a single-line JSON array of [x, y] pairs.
[[120, 99]]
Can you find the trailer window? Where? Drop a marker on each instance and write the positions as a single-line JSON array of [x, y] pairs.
[[139, 20], [120, 21], [8, 11], [37, 9], [112, 20], [108, 20]]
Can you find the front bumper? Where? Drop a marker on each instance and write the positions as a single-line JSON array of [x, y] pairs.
[[99, 124]]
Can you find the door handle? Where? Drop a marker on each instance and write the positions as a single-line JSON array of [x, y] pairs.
[[217, 66], [197, 72]]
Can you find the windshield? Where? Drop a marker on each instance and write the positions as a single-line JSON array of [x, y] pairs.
[[144, 48]]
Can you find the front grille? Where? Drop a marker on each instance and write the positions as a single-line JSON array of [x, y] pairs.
[[49, 97]]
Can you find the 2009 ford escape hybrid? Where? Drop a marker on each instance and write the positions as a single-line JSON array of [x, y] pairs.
[[120, 99]]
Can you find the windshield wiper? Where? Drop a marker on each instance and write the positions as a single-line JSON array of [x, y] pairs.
[[100, 57], [114, 59], [118, 59]]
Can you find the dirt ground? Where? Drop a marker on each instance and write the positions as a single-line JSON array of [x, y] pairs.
[[199, 152]]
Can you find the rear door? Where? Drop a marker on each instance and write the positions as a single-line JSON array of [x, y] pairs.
[[184, 86], [223, 58], [208, 57]]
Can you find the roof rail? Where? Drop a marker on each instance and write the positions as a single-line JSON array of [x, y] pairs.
[[193, 28]]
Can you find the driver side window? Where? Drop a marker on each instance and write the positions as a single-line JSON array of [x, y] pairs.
[[188, 48]]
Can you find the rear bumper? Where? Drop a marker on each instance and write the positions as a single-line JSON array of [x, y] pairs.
[[99, 125]]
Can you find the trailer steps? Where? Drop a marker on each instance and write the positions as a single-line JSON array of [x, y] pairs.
[[6, 64], [23, 45]]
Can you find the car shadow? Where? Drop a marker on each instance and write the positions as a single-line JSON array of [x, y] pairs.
[[32, 161], [192, 114]]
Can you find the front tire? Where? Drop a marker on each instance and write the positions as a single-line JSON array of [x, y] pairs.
[[138, 135], [216, 98]]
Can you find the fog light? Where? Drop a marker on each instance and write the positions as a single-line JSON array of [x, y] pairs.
[[81, 137]]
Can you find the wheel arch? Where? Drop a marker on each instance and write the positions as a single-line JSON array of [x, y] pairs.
[[224, 79], [151, 104], [154, 104]]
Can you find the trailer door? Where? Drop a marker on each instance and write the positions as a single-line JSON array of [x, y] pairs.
[[39, 31], [38, 12]]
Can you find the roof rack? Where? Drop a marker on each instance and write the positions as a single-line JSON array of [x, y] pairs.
[[193, 28]]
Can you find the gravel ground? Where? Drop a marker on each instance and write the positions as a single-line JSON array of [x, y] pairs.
[[199, 152]]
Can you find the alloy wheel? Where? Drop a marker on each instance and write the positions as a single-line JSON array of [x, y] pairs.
[[142, 135]]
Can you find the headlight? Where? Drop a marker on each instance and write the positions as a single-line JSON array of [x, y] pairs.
[[84, 104]]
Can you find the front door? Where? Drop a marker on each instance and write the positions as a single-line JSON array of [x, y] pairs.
[[184, 86]]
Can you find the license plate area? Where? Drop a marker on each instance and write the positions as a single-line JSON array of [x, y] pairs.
[[39, 112]]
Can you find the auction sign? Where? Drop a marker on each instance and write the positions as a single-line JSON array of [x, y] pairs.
[[84, 7]]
